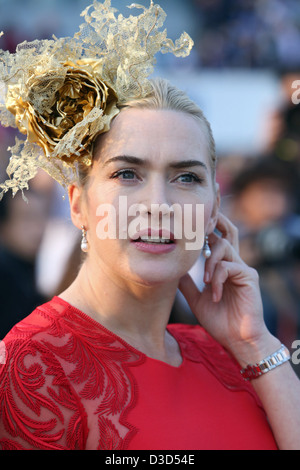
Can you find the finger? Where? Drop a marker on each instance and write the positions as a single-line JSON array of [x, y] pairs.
[[238, 274], [220, 276], [221, 249], [228, 231]]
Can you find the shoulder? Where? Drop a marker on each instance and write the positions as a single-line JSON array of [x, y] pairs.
[[195, 341], [38, 405], [36, 341], [198, 345], [42, 319]]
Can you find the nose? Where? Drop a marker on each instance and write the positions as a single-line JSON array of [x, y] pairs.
[[155, 197]]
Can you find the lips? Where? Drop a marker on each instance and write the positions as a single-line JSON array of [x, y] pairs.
[[154, 237], [154, 242]]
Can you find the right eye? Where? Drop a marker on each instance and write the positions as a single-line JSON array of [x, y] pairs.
[[128, 175]]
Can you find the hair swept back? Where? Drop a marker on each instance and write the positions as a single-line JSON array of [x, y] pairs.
[[165, 96]]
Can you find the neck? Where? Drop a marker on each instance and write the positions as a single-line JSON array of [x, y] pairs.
[[137, 313]]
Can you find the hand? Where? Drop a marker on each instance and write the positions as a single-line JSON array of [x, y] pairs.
[[230, 306]]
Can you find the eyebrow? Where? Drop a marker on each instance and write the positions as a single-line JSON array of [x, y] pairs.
[[140, 161]]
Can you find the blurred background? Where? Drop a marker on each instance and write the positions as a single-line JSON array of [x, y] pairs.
[[243, 72]]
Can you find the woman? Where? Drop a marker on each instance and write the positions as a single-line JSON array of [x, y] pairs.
[[98, 367]]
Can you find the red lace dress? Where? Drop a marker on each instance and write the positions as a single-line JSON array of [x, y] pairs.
[[69, 383]]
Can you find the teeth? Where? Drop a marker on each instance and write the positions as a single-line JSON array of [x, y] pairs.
[[155, 240]]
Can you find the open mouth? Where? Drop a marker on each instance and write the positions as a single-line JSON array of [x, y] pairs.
[[160, 240]]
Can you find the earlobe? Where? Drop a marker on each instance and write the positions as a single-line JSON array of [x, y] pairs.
[[76, 210]]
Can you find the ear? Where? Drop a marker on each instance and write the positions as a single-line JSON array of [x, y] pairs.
[[76, 206], [215, 212]]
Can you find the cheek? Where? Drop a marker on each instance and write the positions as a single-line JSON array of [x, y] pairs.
[[198, 215], [196, 224], [208, 210], [100, 206], [114, 220]]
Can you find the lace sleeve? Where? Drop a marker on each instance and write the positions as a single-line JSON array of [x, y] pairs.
[[39, 409]]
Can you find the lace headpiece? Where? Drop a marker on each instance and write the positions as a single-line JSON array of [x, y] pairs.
[[62, 93]]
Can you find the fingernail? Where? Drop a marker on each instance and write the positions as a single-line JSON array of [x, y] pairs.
[[206, 276], [215, 297]]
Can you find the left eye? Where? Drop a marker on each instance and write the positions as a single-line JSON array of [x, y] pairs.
[[188, 178], [127, 175]]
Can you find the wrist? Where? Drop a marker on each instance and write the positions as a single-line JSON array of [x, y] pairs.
[[255, 350], [270, 362]]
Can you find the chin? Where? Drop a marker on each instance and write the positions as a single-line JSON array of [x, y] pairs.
[[154, 281], [149, 275]]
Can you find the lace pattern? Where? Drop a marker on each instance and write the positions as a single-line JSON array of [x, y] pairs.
[[40, 388], [66, 376]]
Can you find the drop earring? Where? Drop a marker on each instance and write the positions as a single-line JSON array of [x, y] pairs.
[[84, 243], [206, 248]]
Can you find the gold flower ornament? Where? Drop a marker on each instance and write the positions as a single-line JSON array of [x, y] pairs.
[[80, 107], [62, 93]]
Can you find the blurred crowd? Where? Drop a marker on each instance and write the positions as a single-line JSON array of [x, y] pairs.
[[40, 255], [263, 200], [249, 33]]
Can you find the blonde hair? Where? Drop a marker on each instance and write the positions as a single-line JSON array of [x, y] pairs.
[[166, 96]]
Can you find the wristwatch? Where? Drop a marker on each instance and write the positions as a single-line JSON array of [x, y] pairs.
[[252, 371]]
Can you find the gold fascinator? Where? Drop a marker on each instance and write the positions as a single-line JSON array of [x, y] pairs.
[[61, 93]]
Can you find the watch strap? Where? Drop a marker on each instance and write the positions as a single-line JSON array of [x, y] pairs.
[[252, 371]]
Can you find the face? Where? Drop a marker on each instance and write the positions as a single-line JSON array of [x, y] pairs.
[[151, 172]]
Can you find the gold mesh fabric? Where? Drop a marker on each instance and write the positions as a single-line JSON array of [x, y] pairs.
[[62, 93]]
